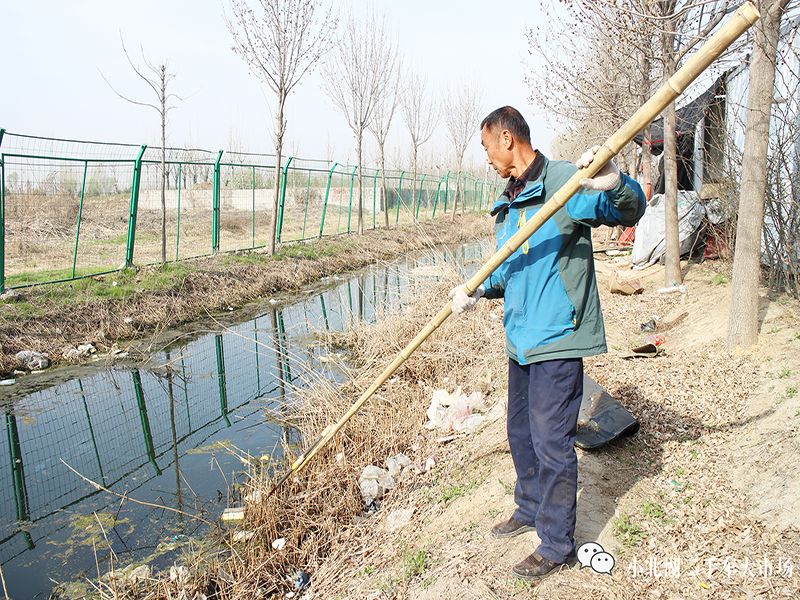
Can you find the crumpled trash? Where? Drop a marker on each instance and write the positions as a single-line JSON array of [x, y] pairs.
[[279, 544], [650, 325], [32, 360], [672, 289], [172, 543], [179, 574], [484, 382], [140, 573], [300, 580], [453, 412], [79, 353], [627, 288], [395, 465], [374, 483]]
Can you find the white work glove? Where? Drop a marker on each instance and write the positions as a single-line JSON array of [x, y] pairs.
[[461, 302], [606, 178]]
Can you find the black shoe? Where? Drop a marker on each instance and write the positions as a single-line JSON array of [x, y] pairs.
[[510, 528], [536, 567]]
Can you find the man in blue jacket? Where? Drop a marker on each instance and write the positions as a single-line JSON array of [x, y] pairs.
[[552, 320]]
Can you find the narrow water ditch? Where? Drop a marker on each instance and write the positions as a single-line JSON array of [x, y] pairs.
[[171, 435]]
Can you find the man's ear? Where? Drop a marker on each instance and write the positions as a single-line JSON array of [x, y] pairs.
[[506, 139]]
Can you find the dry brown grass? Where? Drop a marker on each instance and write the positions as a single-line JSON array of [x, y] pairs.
[[320, 508]]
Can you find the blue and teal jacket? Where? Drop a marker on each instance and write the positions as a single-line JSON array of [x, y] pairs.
[[552, 308]]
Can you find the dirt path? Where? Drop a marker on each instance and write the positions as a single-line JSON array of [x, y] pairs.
[[703, 503]]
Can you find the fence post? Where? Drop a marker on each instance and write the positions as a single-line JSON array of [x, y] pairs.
[[305, 212], [137, 179], [436, 200], [325, 203], [178, 224], [399, 198], [80, 213], [419, 195], [374, 187], [253, 244], [446, 191], [215, 212], [2, 218], [350, 207], [283, 198]]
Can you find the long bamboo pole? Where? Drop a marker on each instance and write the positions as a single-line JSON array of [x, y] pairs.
[[742, 20]]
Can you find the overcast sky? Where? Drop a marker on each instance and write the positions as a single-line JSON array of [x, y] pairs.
[[54, 52]]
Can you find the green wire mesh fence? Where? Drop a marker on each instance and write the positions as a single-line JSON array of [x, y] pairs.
[[71, 209]]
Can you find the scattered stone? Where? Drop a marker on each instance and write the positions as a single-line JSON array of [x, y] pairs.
[[86, 349], [10, 296], [398, 518]]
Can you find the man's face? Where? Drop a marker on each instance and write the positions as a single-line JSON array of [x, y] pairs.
[[496, 142]]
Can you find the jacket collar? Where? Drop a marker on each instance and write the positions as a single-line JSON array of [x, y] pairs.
[[526, 186]]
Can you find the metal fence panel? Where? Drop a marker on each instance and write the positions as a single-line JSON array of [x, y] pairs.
[[72, 209]]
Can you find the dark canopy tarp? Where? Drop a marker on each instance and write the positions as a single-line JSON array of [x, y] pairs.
[[686, 118]]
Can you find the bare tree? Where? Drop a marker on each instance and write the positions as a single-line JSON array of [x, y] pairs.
[[420, 116], [463, 110], [743, 311], [364, 57], [633, 41], [280, 44], [157, 82], [385, 108], [681, 26], [594, 78]]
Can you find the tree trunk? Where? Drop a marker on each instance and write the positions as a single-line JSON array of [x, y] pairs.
[[672, 271], [743, 310], [413, 184], [360, 188], [458, 188], [383, 185], [647, 138], [277, 196]]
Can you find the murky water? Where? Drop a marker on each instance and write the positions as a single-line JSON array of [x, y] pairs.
[[162, 436]]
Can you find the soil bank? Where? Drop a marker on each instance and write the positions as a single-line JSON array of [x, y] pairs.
[[120, 311], [703, 503]]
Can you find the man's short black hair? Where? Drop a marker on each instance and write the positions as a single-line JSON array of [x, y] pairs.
[[509, 118]]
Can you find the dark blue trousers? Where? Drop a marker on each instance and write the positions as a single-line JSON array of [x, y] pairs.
[[543, 403]]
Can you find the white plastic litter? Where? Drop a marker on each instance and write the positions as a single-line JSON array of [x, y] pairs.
[[395, 465], [454, 412], [374, 483], [32, 360], [673, 288], [279, 544]]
